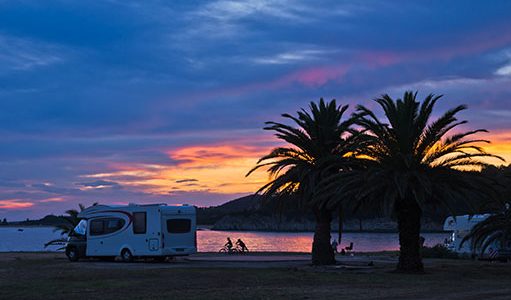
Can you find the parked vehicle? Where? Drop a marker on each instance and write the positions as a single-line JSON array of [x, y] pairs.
[[461, 227], [153, 230]]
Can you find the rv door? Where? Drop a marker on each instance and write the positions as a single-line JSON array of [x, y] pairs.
[[177, 233]]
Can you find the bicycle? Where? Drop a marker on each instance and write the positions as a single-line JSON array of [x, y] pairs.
[[232, 250]]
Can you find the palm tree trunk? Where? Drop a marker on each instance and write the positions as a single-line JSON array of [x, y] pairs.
[[341, 225], [322, 252], [409, 226]]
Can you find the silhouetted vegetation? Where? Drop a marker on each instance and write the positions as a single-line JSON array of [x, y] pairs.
[[66, 228], [49, 220], [438, 251], [411, 165], [319, 136], [405, 166], [495, 229]]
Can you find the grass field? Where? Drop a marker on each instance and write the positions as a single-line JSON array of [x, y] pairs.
[[51, 276]]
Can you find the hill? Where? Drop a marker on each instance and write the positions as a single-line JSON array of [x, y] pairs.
[[252, 213]]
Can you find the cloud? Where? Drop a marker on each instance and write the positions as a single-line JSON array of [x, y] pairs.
[[166, 91], [11, 184], [226, 10], [100, 184], [186, 180], [14, 204], [211, 165], [22, 54], [50, 188], [504, 70], [226, 19], [52, 199], [294, 57]]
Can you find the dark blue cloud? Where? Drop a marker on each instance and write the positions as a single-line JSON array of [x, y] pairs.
[[84, 86]]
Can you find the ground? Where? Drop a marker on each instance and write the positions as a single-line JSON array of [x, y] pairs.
[[262, 276]]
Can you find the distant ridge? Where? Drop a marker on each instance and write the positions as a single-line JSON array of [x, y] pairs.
[[246, 204], [251, 213]]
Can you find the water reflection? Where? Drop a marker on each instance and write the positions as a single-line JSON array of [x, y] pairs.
[[212, 241], [33, 239]]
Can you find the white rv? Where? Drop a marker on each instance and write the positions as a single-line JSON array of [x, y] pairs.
[[460, 227], [154, 230]]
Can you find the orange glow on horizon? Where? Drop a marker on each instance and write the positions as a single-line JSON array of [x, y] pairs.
[[210, 168], [222, 168], [500, 145]]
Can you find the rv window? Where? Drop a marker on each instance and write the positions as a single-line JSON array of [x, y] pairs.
[[179, 225], [112, 225], [97, 227], [139, 222]]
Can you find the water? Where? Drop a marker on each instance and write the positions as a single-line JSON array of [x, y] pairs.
[[302, 241], [30, 239], [34, 238]]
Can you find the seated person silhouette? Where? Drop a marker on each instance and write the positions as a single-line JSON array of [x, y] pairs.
[[421, 241], [242, 245], [349, 248]]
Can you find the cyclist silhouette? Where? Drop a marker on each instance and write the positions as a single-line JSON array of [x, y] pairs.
[[242, 245], [228, 245]]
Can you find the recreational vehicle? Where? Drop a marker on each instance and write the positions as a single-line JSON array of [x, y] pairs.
[[154, 230], [460, 226]]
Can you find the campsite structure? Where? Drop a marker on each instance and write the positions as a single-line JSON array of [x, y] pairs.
[[153, 230]]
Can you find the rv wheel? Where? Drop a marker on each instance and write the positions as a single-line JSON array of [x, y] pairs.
[[126, 255], [72, 254]]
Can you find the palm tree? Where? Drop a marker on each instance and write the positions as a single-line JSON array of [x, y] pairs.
[[296, 170], [410, 165], [68, 226], [501, 175], [496, 228]]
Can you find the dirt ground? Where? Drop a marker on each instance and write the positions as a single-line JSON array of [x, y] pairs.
[[260, 276]]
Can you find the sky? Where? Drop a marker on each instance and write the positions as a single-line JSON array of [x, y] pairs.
[[164, 101]]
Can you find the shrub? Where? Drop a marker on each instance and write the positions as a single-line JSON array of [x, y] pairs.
[[438, 251]]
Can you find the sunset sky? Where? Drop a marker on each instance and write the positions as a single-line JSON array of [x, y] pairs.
[[164, 101]]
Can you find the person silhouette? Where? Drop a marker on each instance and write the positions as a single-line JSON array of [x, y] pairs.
[[334, 246], [242, 245], [228, 245]]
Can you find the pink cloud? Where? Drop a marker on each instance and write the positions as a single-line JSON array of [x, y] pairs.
[[13, 204], [53, 199], [484, 40], [478, 42], [312, 77]]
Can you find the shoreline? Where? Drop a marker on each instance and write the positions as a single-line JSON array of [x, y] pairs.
[[210, 228], [332, 232]]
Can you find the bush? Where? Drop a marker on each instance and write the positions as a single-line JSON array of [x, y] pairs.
[[438, 251]]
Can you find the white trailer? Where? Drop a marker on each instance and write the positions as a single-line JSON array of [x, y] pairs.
[[154, 230], [460, 226]]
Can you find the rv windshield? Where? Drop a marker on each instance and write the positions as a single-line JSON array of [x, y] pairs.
[[81, 228]]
